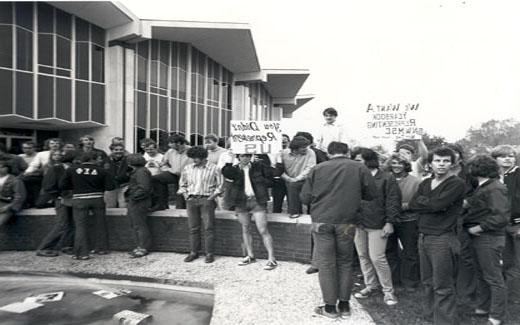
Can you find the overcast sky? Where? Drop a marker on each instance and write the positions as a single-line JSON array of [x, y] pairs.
[[460, 60]]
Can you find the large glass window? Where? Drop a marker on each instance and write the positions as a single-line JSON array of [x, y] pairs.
[[45, 18], [6, 46], [24, 49], [6, 84], [63, 52], [45, 49], [24, 14], [82, 101], [24, 94], [45, 96], [98, 103], [98, 63], [82, 61], [6, 12], [63, 99]]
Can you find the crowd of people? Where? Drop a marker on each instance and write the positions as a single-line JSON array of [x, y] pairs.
[[433, 220]]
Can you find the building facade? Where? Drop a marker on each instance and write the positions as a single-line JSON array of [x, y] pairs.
[[74, 68]]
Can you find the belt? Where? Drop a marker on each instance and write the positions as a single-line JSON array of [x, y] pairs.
[[197, 196]]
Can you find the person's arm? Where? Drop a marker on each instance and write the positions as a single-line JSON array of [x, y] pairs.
[[65, 183], [306, 193], [427, 203], [422, 151], [219, 181], [183, 183], [35, 164], [392, 200], [310, 162], [230, 172]]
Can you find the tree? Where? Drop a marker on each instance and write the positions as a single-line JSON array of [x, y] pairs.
[[491, 134]]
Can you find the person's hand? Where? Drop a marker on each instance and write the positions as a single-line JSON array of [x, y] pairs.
[[405, 206], [3, 209], [388, 229], [475, 230], [514, 230], [212, 197], [465, 204]]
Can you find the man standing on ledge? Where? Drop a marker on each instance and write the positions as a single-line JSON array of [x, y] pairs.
[[330, 130], [438, 201], [334, 190]]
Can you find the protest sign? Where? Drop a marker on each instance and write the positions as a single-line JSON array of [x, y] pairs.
[[46, 297], [110, 294], [393, 121], [128, 317], [255, 137]]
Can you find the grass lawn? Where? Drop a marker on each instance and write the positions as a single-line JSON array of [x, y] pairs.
[[408, 310]]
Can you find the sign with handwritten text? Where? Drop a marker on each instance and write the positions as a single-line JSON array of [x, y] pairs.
[[255, 137], [393, 121]]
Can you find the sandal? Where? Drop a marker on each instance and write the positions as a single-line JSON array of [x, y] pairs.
[[247, 260]]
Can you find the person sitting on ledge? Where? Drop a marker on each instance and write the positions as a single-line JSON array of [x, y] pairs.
[[248, 195], [200, 184], [12, 192], [139, 196]]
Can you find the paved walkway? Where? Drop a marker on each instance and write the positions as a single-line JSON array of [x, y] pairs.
[[243, 295]]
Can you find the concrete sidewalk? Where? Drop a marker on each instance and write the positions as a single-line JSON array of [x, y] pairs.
[[243, 294]]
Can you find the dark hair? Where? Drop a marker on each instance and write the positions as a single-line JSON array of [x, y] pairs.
[[331, 111], [337, 148], [177, 138], [400, 159], [135, 159], [211, 137], [503, 150], [406, 146], [69, 157], [114, 145], [483, 166], [299, 142], [222, 142], [117, 140], [197, 152], [88, 156], [369, 156], [286, 136], [306, 135], [456, 148], [29, 143], [244, 154], [442, 152], [150, 143]]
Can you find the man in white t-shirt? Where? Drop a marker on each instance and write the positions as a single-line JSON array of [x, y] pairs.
[[214, 151], [153, 158], [330, 131]]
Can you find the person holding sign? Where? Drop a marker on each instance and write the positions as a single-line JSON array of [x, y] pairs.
[[248, 195], [298, 162]]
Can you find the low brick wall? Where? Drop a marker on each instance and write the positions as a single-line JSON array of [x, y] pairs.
[[170, 233]]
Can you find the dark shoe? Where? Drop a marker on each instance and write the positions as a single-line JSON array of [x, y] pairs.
[[321, 312], [138, 252], [209, 258], [294, 216], [47, 253], [99, 252], [191, 257], [312, 270], [80, 257], [344, 309], [68, 250]]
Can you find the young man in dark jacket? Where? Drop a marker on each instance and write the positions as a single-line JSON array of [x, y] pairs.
[[484, 222], [376, 225], [12, 192], [510, 175], [88, 181], [139, 194], [248, 195], [117, 167], [438, 201], [334, 189]]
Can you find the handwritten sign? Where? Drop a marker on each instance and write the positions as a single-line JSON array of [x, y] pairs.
[[255, 137], [393, 121]]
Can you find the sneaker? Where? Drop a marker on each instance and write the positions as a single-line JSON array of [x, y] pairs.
[[390, 299], [321, 312], [271, 265], [312, 270], [364, 293], [480, 312], [247, 260], [294, 216], [493, 321], [191, 257], [209, 258], [344, 309]]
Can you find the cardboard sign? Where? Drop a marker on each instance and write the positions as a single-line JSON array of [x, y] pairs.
[[46, 297], [128, 317], [255, 137], [393, 121], [111, 294]]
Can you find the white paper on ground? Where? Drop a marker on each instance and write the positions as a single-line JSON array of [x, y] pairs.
[[46, 297], [20, 307], [128, 317], [111, 294]]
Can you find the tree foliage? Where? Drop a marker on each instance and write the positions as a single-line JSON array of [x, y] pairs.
[[491, 134]]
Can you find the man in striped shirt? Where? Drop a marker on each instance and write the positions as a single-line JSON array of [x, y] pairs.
[[200, 184]]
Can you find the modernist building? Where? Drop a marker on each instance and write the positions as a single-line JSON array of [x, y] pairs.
[[74, 68]]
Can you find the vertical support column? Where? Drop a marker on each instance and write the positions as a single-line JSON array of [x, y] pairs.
[[35, 60], [188, 92], [221, 105], [129, 98]]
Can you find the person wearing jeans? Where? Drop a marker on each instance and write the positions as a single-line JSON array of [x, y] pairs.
[[88, 181], [375, 227], [485, 219], [200, 184], [438, 201], [298, 161], [334, 190]]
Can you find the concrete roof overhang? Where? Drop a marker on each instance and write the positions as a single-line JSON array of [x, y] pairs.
[[289, 108], [18, 121], [105, 14]]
